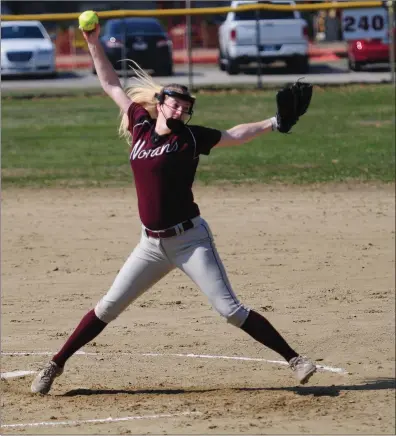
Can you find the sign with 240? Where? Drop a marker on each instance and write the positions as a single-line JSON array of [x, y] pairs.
[[365, 23]]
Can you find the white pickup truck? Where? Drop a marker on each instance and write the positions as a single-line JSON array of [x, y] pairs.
[[283, 36]]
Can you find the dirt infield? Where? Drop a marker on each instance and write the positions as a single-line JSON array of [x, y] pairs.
[[317, 261]]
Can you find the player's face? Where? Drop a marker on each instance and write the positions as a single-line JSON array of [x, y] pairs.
[[177, 108]]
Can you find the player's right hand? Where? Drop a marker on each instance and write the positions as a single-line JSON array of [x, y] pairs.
[[92, 36]]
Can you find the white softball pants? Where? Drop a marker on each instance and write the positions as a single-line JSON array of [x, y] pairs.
[[194, 253]]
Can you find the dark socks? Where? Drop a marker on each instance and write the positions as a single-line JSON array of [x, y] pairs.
[[90, 326], [262, 330], [258, 327]]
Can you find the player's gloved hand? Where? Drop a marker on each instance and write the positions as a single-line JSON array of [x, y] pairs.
[[292, 102]]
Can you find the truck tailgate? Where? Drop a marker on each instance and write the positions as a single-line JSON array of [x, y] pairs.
[[271, 32]]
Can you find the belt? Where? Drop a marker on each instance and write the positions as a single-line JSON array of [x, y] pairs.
[[172, 231]]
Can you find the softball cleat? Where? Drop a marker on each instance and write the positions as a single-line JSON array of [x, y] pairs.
[[43, 382], [303, 368]]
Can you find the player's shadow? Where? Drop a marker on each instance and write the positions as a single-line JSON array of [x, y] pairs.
[[316, 391], [78, 392], [334, 390]]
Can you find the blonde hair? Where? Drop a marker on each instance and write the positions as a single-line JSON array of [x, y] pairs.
[[143, 93]]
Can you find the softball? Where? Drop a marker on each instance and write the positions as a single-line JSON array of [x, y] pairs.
[[88, 20]]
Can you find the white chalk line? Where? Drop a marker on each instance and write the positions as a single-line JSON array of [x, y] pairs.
[[98, 421], [254, 359], [321, 368], [16, 374]]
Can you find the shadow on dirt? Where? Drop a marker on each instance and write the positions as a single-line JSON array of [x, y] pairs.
[[77, 392], [334, 390], [316, 391]]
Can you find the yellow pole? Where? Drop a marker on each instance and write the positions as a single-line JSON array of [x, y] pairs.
[[299, 6]]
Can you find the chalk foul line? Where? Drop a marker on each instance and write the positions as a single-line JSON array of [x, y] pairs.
[[253, 359], [321, 368], [13, 374], [99, 420]]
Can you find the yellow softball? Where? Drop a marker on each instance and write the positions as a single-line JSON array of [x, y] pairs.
[[88, 20]]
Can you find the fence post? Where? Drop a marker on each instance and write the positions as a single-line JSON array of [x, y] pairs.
[[391, 20], [258, 38], [124, 66], [72, 45], [189, 48]]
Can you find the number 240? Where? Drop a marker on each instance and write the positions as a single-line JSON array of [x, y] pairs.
[[377, 23]]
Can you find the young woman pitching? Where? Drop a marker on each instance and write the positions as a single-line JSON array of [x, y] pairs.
[[164, 156]]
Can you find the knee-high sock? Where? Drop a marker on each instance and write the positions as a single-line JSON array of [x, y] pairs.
[[262, 330], [90, 327]]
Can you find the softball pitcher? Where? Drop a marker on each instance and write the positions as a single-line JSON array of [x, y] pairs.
[[164, 156]]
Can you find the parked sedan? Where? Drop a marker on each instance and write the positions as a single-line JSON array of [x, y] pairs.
[[143, 40], [363, 52], [26, 48]]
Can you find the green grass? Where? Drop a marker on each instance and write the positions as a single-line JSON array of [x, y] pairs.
[[347, 134]]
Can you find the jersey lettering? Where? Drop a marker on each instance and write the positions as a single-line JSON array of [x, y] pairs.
[[138, 152], [164, 171]]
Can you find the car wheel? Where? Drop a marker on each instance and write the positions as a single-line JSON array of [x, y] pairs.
[[221, 61], [354, 65], [298, 65], [232, 67]]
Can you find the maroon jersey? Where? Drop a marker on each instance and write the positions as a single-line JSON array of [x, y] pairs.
[[164, 168]]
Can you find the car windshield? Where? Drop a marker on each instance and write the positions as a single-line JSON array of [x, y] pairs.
[[21, 32], [132, 27]]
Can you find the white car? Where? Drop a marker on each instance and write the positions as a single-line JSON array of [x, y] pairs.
[[26, 48], [268, 35]]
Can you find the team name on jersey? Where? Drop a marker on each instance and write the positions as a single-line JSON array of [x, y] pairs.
[[138, 152]]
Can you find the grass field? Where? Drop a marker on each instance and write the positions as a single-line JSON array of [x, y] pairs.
[[348, 133]]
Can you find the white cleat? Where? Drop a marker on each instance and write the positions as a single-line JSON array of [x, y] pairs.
[[43, 381], [303, 368]]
